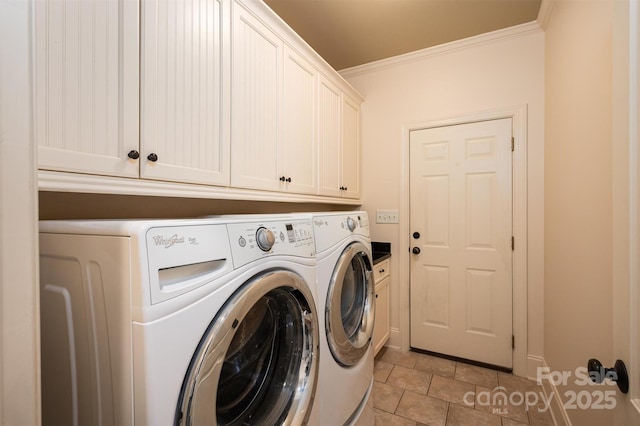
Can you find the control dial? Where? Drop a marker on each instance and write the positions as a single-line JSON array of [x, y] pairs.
[[265, 238], [351, 224]]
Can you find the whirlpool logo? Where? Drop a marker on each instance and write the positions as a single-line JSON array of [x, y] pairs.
[[161, 240]]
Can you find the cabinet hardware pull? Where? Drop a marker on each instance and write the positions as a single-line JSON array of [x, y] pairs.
[[133, 154], [281, 179], [153, 157], [288, 179]]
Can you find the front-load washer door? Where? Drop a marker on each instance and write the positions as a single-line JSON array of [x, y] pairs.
[[349, 311], [258, 361]]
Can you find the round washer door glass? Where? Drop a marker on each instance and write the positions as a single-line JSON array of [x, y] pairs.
[[349, 309], [257, 362]]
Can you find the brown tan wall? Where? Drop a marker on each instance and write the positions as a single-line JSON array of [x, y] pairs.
[[578, 201]]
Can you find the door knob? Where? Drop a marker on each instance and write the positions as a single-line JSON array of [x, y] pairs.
[[618, 373], [415, 250], [416, 235]]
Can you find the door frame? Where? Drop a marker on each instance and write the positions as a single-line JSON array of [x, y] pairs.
[[518, 115]]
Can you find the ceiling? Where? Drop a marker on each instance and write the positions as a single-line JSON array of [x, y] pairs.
[[347, 33]]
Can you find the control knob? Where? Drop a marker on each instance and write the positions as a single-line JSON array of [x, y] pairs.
[[265, 238], [351, 224]]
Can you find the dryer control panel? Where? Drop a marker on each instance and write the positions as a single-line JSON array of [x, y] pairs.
[[252, 241]]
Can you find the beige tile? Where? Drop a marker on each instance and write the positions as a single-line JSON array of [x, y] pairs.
[[511, 382], [387, 419], [476, 375], [434, 365], [451, 390], [539, 416], [463, 416], [396, 357], [423, 409], [409, 379], [381, 371], [509, 422], [498, 401], [386, 397]]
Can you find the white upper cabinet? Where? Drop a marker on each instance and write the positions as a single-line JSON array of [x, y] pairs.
[[350, 155], [298, 155], [86, 81], [339, 130], [273, 110], [256, 91], [184, 89], [329, 117], [199, 98]]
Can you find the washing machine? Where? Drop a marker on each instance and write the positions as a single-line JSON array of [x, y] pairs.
[[161, 322], [346, 307]]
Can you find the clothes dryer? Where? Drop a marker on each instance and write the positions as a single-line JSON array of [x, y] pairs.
[[346, 306], [202, 321]]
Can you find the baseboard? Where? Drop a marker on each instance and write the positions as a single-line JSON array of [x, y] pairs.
[[395, 339], [534, 363], [558, 412]]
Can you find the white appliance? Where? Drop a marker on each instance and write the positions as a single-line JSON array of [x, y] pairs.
[[346, 306], [202, 321]]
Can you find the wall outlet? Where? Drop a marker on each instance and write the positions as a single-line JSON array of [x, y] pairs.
[[387, 216]]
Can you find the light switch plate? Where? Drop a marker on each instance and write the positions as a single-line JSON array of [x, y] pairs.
[[387, 216]]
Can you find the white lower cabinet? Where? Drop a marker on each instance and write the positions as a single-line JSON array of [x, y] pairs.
[[382, 328], [197, 94]]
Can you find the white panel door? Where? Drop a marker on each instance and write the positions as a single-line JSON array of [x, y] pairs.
[[350, 181], [329, 135], [299, 149], [461, 280], [256, 89], [86, 76], [184, 82]]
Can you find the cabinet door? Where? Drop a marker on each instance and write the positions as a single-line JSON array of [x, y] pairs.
[[184, 91], [256, 88], [299, 149], [350, 148], [381, 329], [329, 135], [86, 79]]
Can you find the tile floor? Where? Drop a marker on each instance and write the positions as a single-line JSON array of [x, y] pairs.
[[415, 389]]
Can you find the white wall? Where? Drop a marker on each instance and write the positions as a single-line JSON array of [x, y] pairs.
[[474, 79], [19, 313]]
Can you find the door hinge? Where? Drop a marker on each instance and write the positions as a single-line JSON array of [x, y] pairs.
[[513, 143], [513, 243], [513, 341]]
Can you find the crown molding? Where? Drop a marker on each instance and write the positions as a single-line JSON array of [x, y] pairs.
[[544, 13], [454, 46]]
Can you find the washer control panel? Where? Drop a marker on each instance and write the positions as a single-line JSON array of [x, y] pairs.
[[252, 241]]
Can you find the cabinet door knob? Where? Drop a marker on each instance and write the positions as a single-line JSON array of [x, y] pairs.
[[415, 250], [153, 157], [281, 179], [416, 235], [288, 179], [133, 154], [381, 270]]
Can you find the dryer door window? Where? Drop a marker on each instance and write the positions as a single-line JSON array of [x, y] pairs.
[[258, 361], [350, 309]]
